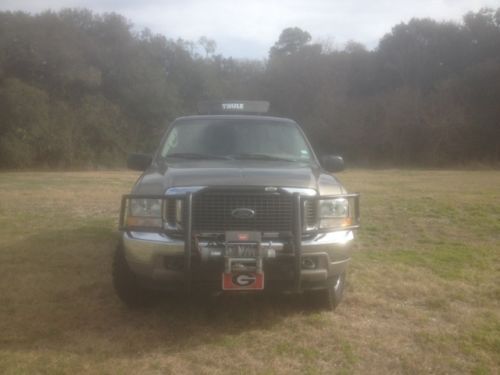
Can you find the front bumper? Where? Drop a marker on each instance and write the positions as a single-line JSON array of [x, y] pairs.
[[149, 254]]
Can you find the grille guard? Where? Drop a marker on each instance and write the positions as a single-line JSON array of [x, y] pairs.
[[297, 227]]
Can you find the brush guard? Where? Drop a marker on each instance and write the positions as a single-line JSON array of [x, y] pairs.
[[254, 264]]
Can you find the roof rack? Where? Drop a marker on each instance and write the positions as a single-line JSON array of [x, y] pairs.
[[222, 107]]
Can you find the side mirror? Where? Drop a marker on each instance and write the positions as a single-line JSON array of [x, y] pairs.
[[139, 162], [333, 163]]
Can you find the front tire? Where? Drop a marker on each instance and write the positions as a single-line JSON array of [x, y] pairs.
[[330, 297], [126, 285]]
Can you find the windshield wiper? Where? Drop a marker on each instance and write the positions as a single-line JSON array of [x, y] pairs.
[[194, 155], [260, 157]]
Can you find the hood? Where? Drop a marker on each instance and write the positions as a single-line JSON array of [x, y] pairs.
[[159, 178]]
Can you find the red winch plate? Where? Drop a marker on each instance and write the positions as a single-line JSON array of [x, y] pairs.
[[243, 281]]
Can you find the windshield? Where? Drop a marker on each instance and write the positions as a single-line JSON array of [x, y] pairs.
[[236, 138]]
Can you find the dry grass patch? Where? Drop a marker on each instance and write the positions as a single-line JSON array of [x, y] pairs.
[[423, 293]]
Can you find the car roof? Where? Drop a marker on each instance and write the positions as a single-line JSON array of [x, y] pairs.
[[237, 117]]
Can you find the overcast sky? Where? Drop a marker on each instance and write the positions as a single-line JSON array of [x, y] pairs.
[[247, 29]]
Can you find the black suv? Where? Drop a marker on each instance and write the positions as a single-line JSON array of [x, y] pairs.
[[233, 201]]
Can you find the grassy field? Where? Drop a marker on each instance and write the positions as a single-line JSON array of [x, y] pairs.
[[423, 288]]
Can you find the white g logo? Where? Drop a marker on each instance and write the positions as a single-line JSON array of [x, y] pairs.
[[244, 279]]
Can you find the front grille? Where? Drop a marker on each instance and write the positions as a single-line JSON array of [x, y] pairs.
[[212, 211]]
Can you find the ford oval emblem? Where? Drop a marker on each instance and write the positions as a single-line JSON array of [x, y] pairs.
[[243, 213]]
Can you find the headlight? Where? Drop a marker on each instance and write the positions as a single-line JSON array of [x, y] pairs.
[[145, 213], [178, 214], [334, 213], [175, 211]]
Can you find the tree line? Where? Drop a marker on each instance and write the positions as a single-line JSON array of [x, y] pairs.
[[80, 89]]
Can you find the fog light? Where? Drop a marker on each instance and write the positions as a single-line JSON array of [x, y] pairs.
[[308, 263]]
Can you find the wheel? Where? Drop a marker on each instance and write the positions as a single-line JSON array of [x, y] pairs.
[[126, 284], [330, 297]]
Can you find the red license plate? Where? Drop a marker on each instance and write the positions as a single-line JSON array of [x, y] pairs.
[[243, 281]]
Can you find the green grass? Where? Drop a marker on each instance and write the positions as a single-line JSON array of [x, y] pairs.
[[448, 260], [423, 288]]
